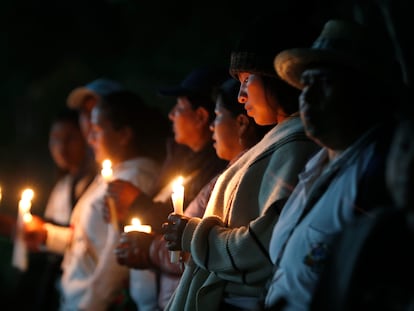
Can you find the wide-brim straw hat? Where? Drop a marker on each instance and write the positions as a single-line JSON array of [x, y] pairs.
[[341, 43]]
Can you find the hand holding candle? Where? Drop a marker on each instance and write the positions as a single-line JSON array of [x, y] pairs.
[[177, 197], [106, 173]]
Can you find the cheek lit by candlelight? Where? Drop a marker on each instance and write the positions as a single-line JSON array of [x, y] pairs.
[[136, 226]]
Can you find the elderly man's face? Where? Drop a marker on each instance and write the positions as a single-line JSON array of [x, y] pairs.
[[327, 105]]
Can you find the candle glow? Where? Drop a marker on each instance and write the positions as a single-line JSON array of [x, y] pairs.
[[25, 204], [136, 226]]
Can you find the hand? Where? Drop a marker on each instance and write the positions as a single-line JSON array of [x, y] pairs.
[[173, 231], [122, 193], [133, 250], [34, 233]]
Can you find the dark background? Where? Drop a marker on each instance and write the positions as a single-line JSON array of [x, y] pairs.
[[49, 47]]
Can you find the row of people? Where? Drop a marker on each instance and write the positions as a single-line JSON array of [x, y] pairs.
[[257, 230]]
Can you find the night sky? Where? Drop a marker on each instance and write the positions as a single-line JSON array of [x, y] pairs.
[[49, 47]]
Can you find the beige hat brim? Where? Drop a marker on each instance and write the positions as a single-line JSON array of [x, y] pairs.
[[290, 64], [76, 98]]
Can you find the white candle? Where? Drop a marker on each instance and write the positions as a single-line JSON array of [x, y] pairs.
[[106, 173], [136, 226], [177, 195], [177, 198], [20, 258]]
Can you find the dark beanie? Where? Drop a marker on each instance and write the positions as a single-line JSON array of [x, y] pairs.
[[264, 38]]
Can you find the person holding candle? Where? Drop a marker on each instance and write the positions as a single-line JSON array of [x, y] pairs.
[[122, 129], [191, 117], [75, 170], [229, 264], [197, 163], [234, 133]]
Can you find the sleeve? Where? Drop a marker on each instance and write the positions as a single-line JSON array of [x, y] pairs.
[[58, 238], [238, 255], [108, 279]]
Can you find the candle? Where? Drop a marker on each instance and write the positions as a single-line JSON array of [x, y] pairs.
[[136, 226], [106, 173], [25, 204], [20, 258], [177, 197]]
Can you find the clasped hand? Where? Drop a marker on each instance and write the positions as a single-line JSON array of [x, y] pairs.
[[173, 231], [34, 233], [133, 250]]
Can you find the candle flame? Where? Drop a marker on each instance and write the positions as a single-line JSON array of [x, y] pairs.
[[27, 194], [178, 183], [135, 221], [106, 169], [27, 217]]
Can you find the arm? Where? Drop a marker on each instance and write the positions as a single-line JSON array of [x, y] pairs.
[[236, 254]]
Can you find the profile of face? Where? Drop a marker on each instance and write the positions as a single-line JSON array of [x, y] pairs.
[[226, 132], [103, 138], [400, 165], [258, 104], [326, 106], [67, 145], [85, 115], [187, 123]]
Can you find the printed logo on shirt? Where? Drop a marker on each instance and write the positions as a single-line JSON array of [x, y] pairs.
[[317, 257]]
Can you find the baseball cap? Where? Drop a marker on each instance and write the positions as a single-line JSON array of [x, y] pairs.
[[201, 82], [96, 88]]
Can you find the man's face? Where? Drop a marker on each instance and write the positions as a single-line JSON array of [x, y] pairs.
[[326, 105], [187, 125]]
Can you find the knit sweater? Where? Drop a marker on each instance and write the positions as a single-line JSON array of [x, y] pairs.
[[229, 245]]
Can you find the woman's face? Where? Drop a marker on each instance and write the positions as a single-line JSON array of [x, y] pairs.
[[258, 104], [103, 138], [226, 132]]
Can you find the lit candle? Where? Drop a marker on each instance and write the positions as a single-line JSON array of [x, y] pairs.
[[177, 197], [106, 173], [20, 258], [136, 226], [25, 204]]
